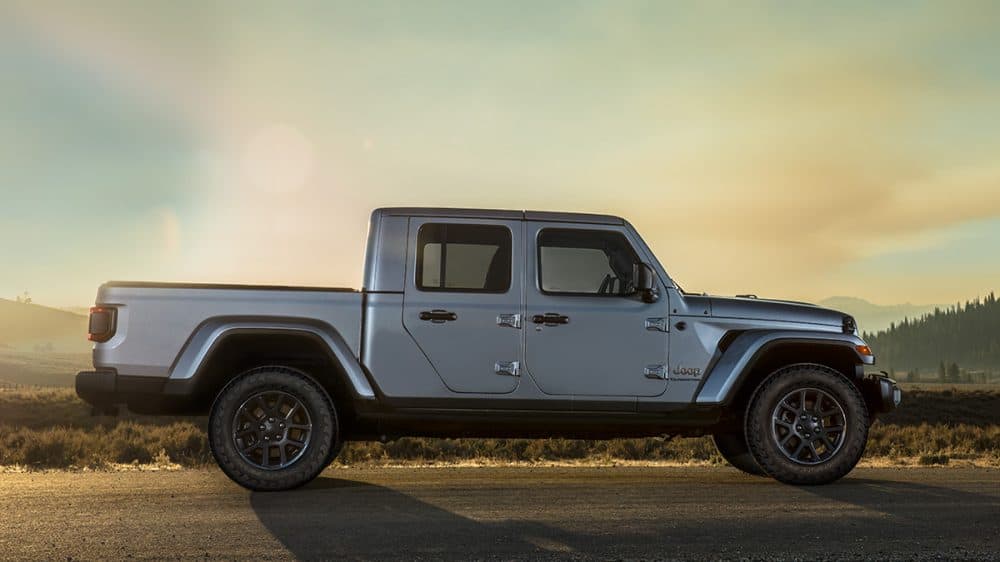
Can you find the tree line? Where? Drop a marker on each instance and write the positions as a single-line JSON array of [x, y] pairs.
[[956, 344]]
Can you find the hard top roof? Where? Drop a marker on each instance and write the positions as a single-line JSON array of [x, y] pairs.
[[500, 214]]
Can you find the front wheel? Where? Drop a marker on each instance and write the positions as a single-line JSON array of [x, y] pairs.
[[272, 428], [807, 424]]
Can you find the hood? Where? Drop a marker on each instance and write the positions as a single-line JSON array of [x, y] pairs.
[[763, 309]]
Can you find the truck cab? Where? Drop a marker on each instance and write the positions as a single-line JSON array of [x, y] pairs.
[[521, 307]]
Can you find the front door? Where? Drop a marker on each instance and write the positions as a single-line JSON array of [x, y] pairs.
[[587, 331], [463, 300]]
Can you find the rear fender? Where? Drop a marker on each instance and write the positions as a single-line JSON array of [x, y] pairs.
[[211, 334]]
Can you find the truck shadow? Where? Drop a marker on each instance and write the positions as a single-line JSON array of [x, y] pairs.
[[335, 518], [909, 501], [747, 516]]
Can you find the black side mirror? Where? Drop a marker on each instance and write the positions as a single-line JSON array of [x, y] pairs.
[[645, 283]]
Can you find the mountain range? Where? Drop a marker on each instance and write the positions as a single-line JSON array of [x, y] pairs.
[[876, 317]]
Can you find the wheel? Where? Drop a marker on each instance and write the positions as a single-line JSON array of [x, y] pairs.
[[807, 424], [733, 447], [272, 428]]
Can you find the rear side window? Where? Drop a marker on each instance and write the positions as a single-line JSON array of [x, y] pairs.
[[586, 262], [463, 258]]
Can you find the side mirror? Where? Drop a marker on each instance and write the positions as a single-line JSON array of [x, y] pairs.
[[645, 283]]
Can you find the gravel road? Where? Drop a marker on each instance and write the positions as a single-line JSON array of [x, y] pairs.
[[502, 513]]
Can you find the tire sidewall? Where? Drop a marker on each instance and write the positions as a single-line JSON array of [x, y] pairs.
[[759, 431], [314, 399]]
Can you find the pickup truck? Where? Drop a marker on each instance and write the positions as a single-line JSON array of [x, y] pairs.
[[487, 323]]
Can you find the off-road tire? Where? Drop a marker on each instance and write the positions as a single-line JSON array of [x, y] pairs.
[[733, 447], [764, 446], [324, 438]]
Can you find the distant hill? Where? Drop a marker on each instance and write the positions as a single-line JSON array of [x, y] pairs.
[[81, 310], [32, 327], [874, 317], [965, 335]]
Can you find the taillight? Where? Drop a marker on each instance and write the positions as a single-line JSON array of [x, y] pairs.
[[102, 323]]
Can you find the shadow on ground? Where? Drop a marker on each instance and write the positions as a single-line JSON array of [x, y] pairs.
[[334, 518], [727, 516]]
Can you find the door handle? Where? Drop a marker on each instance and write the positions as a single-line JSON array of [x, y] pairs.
[[550, 319], [438, 316]]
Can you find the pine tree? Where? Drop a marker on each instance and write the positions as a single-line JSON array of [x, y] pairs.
[[966, 333], [954, 374]]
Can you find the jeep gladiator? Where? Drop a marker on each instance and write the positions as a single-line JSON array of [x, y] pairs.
[[481, 323]]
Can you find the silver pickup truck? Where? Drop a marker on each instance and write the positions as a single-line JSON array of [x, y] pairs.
[[479, 323]]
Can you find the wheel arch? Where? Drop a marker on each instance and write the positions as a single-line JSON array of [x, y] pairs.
[[222, 348], [753, 356]]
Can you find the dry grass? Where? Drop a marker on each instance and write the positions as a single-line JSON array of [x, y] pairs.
[[52, 428], [127, 442]]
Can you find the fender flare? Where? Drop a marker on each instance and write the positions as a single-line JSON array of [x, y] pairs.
[[729, 370], [208, 336]]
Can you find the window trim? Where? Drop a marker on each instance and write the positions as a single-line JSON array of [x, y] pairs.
[[418, 268], [538, 262]]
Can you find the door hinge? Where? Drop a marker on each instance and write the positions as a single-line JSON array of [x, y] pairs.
[[508, 368], [656, 324], [509, 320], [658, 371]]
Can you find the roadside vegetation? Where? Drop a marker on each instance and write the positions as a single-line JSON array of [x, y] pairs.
[[51, 428]]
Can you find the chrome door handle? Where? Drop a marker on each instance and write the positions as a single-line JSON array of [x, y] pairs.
[[438, 316], [550, 319]]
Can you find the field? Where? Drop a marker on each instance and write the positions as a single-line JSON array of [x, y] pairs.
[[31, 369], [51, 428]]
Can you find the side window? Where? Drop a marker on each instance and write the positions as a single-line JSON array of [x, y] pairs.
[[586, 262], [463, 258]]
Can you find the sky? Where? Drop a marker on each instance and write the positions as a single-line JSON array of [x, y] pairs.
[[796, 150]]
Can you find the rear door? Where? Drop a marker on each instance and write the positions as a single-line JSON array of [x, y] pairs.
[[587, 332], [462, 301]]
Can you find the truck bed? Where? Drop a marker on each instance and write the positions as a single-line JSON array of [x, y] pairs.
[[158, 323]]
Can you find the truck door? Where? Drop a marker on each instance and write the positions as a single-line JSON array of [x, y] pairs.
[[462, 301], [587, 331]]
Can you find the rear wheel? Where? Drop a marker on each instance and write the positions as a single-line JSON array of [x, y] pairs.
[[272, 428], [807, 424], [733, 447]]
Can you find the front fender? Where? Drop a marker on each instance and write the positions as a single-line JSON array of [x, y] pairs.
[[725, 376], [211, 333]]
